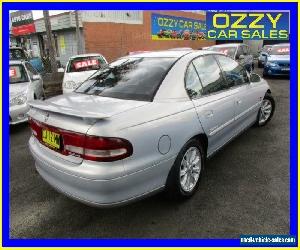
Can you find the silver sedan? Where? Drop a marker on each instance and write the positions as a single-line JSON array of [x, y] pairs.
[[145, 123]]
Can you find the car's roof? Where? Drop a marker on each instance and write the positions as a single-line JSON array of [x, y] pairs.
[[281, 44], [180, 48], [11, 62], [172, 53], [85, 55], [227, 45]]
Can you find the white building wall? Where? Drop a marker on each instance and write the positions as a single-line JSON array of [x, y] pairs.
[[113, 16]]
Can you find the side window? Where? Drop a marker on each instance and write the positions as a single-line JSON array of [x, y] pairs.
[[210, 75], [192, 82], [31, 70], [234, 73]]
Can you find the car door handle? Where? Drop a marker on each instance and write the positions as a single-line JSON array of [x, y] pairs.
[[209, 114], [239, 102]]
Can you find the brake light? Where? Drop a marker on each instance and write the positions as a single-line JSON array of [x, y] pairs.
[[93, 148], [35, 128]]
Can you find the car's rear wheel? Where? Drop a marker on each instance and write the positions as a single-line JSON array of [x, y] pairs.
[[184, 177], [266, 110]]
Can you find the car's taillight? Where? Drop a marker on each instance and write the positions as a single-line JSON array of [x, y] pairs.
[[35, 128], [93, 148], [106, 148]]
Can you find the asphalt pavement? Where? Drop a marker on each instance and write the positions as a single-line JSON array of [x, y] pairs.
[[244, 190]]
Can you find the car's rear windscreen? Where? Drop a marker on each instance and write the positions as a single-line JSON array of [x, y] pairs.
[[280, 50], [130, 78]]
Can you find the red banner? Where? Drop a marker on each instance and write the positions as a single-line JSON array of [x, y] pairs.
[[23, 29]]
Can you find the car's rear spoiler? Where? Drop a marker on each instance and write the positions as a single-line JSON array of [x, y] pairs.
[[48, 106]]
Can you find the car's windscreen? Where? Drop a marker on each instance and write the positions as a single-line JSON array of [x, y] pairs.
[[17, 74], [228, 51], [17, 54], [280, 50], [128, 78], [80, 64]]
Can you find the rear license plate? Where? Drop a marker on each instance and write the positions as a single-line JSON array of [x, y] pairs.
[[52, 139], [285, 69]]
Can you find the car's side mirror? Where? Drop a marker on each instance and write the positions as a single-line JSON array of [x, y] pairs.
[[241, 57], [255, 78], [36, 77]]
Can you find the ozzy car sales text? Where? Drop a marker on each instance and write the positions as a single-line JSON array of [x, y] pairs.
[[248, 26]]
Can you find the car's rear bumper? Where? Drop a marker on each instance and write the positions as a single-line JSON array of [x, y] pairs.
[[18, 114], [275, 71], [97, 189]]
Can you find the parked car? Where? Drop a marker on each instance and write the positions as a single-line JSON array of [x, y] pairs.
[[18, 53], [145, 123], [278, 60], [237, 51], [25, 84], [263, 55], [79, 68]]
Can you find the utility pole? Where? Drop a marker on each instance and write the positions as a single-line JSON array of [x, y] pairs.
[[77, 33], [50, 42]]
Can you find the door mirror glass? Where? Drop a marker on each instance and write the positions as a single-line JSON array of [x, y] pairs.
[[36, 77], [254, 78]]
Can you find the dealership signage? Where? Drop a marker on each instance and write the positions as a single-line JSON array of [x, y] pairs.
[[165, 27], [247, 25], [22, 22]]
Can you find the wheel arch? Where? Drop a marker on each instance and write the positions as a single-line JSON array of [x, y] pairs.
[[202, 138]]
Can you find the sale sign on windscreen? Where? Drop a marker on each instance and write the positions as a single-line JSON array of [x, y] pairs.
[[247, 25]]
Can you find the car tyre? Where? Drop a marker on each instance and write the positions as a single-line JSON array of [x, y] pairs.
[[266, 110], [265, 75], [193, 168]]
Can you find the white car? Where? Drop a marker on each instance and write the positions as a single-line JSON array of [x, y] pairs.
[[25, 84], [79, 68]]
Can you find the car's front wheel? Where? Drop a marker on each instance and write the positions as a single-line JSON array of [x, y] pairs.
[[184, 177], [266, 110]]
